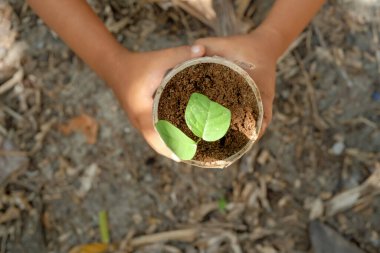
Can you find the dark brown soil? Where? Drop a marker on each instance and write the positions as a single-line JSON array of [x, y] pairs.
[[220, 84]]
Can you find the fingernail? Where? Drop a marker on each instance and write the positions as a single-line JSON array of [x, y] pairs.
[[175, 158], [196, 49]]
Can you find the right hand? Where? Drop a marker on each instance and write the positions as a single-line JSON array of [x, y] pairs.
[[258, 48]]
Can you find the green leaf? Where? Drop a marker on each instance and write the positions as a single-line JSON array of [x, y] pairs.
[[176, 140], [103, 227], [222, 204], [207, 119]]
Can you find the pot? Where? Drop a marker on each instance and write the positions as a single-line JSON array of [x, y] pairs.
[[233, 66]]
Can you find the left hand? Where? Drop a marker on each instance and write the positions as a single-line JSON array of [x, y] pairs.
[[135, 77], [257, 48]]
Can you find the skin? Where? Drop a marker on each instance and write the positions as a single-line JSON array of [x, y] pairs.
[[134, 77]]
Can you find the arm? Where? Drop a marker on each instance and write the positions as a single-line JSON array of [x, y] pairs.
[[263, 46], [82, 30], [288, 18], [133, 77]]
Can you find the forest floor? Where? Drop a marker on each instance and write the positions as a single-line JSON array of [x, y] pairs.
[[317, 166]]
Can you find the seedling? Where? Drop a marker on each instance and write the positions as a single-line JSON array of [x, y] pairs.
[[222, 205], [205, 118]]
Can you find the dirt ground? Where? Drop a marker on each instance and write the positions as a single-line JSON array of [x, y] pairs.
[[324, 141]]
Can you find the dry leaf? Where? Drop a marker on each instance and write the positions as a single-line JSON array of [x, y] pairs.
[[90, 248], [11, 214], [11, 159], [316, 209], [357, 195], [87, 179], [326, 240], [83, 124]]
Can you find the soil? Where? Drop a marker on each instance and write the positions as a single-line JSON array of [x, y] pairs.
[[222, 85]]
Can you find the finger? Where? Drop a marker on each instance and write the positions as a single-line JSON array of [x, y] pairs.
[[264, 125], [267, 118], [263, 129], [145, 125], [197, 51], [266, 121], [178, 55], [155, 141], [214, 46]]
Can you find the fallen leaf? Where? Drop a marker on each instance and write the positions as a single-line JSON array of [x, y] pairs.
[[87, 179], [198, 213], [357, 195], [11, 214], [316, 209], [264, 157], [266, 249], [326, 240], [90, 248], [84, 124], [11, 159]]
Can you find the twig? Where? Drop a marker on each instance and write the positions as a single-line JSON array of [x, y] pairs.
[[161, 248], [12, 113], [216, 237], [248, 160], [226, 18], [234, 242], [242, 6], [117, 26], [4, 243], [224, 225], [378, 59], [200, 10], [341, 70], [218, 15], [184, 235], [319, 122], [3, 130], [263, 195], [16, 78], [360, 120], [12, 153], [362, 155], [11, 214], [190, 36], [39, 138]]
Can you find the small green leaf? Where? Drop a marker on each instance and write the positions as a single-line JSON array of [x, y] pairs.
[[222, 204], [103, 227], [176, 140], [207, 119]]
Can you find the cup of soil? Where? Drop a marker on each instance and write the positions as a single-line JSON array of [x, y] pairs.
[[225, 83]]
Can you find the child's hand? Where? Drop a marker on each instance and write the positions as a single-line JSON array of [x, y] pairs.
[[135, 79], [257, 48]]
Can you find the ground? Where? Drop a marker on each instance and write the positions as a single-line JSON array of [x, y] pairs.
[[324, 140]]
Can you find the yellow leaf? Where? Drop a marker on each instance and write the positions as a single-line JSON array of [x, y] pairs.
[[90, 248]]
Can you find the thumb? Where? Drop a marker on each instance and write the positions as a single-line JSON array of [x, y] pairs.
[[180, 54], [212, 45]]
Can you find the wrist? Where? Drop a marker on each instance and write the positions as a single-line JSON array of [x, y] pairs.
[[275, 40], [113, 67]]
